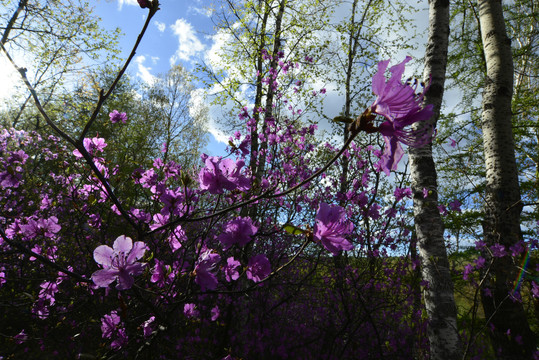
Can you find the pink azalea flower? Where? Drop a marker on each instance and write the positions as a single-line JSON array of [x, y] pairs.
[[109, 323], [111, 327], [204, 270], [176, 238], [190, 310], [41, 227], [93, 146], [401, 106], [455, 205], [394, 134], [258, 268], [147, 326], [498, 250], [330, 228], [159, 273], [231, 272], [222, 174], [119, 263], [238, 231], [116, 116], [20, 337], [215, 313]]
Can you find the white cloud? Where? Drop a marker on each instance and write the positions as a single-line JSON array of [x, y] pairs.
[[160, 26], [155, 59], [143, 71], [127, 2], [188, 43], [9, 78], [213, 55], [199, 104], [207, 12]]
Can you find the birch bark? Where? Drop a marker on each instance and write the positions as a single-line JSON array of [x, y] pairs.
[[438, 295], [503, 205]]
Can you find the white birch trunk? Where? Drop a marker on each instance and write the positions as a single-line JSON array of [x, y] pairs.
[[503, 205], [438, 295]]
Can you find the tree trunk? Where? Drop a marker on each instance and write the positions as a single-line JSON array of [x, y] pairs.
[[438, 295], [503, 206]]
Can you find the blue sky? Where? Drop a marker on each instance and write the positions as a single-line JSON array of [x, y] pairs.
[[180, 33]]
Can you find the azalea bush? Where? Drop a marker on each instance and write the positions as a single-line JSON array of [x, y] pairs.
[[215, 250], [261, 253]]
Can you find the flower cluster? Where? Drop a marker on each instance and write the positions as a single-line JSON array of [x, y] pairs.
[[222, 174], [238, 231], [112, 328]]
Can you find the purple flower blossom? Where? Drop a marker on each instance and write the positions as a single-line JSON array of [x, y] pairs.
[[204, 270], [455, 205], [258, 268], [467, 271], [238, 231], [20, 337], [230, 269], [111, 327], [147, 327], [174, 202], [401, 107], [93, 146], [401, 193], [109, 324], [518, 248], [41, 227], [244, 146], [395, 99], [159, 273], [10, 178], [331, 225], [442, 209], [119, 263], [176, 238], [190, 310], [479, 262], [215, 313], [116, 116], [222, 174], [48, 291], [498, 250]]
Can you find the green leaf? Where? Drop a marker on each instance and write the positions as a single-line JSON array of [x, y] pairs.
[[294, 230]]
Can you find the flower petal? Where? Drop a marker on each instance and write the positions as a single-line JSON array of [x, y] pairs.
[[392, 154], [139, 248], [379, 79], [398, 70], [103, 278], [135, 269], [123, 244], [103, 255]]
